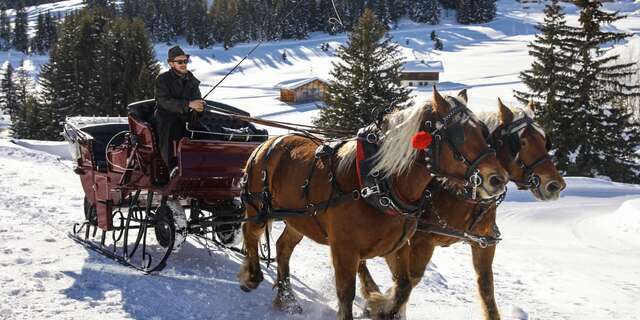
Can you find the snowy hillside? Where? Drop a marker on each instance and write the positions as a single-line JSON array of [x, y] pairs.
[[485, 58], [576, 258]]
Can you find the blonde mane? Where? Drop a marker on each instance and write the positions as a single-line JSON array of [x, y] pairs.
[[396, 154]]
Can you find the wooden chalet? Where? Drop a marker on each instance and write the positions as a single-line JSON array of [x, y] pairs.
[[420, 73], [302, 90]]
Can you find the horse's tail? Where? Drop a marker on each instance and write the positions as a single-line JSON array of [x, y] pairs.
[[376, 302], [368, 285]]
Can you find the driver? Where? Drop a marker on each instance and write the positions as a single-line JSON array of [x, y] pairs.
[[177, 93]]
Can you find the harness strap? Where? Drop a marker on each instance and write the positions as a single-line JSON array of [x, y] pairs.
[[481, 212], [312, 209], [482, 241]]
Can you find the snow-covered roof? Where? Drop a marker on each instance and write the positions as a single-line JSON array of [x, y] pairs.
[[83, 122], [296, 83], [423, 66]]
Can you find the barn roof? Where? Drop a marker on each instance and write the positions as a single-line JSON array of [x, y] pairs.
[[423, 66], [297, 83]]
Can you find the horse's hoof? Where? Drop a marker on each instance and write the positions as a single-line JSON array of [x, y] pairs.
[[249, 282], [290, 306], [293, 309]]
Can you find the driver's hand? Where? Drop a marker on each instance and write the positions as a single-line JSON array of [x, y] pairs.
[[197, 105]]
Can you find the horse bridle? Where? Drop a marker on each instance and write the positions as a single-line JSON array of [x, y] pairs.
[[509, 135], [448, 129]]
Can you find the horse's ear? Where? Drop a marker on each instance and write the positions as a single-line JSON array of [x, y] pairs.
[[532, 105], [441, 105], [506, 116], [463, 95]]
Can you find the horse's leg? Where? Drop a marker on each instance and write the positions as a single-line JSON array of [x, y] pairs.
[[285, 299], [345, 264], [389, 305], [250, 274], [482, 263], [421, 251]]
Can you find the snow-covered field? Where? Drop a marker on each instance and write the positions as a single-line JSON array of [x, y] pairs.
[[576, 258]]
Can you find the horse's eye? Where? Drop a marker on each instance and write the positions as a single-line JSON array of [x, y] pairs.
[[523, 143]]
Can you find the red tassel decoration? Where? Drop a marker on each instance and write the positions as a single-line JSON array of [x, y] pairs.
[[421, 140]]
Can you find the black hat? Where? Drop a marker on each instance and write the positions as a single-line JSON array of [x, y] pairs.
[[176, 51]]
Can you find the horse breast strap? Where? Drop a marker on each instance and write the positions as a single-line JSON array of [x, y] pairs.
[[374, 189]]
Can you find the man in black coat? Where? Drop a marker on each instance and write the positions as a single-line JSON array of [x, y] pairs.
[[178, 100]]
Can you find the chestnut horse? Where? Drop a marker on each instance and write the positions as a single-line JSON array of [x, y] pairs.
[[522, 148], [352, 228]]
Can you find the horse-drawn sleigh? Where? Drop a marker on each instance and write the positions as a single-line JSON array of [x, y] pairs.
[[139, 207], [421, 172]]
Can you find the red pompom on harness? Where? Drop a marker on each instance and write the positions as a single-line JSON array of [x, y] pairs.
[[421, 140]]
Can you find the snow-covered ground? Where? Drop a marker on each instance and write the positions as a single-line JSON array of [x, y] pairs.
[[576, 258]]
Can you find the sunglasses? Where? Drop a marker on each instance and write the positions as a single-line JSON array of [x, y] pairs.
[[181, 61]]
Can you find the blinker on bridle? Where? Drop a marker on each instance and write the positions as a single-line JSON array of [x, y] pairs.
[[449, 129], [510, 136]]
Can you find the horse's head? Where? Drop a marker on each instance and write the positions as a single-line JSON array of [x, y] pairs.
[[523, 149], [459, 153]]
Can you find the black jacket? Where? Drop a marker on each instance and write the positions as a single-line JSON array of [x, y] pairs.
[[173, 94]]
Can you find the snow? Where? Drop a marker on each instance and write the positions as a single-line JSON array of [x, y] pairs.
[[423, 66], [576, 258], [296, 83]]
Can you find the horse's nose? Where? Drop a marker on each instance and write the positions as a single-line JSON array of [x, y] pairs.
[[497, 181], [555, 186]]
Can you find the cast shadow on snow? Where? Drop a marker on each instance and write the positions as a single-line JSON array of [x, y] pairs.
[[193, 285], [594, 189], [263, 58], [455, 37], [300, 107]]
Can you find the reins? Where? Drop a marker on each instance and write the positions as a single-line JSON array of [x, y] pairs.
[[441, 226], [300, 128]]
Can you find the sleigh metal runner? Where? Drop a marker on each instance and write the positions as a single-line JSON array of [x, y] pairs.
[[137, 211]]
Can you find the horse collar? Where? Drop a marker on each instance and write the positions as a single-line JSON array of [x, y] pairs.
[[375, 189]]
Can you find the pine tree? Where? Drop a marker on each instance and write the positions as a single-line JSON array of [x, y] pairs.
[[8, 102], [367, 77], [224, 14], [327, 19], [381, 11], [166, 29], [197, 28], [449, 4], [545, 79], [397, 8], [129, 66], [39, 41], [486, 10], [425, 11], [606, 140], [438, 45], [51, 28], [20, 38], [5, 30], [21, 120], [98, 66], [476, 11]]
